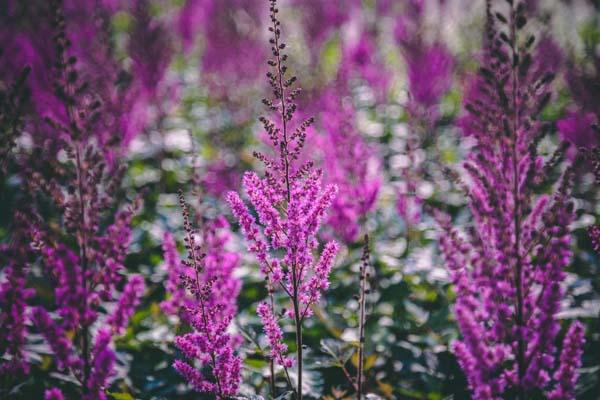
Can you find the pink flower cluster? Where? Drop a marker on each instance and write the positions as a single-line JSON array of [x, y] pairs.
[[291, 204], [203, 293], [508, 268]]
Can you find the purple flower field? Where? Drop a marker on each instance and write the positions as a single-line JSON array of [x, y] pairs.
[[300, 199]]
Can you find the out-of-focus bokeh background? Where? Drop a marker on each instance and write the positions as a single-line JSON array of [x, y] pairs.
[[191, 75]]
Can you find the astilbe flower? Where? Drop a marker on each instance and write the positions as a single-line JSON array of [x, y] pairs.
[[14, 261], [321, 18], [290, 204], [349, 162], [580, 124], [361, 60], [429, 69], [208, 305], [429, 65], [577, 126], [124, 93], [508, 268], [231, 41], [82, 257], [344, 154]]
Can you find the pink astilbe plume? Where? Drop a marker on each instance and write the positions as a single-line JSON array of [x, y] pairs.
[[349, 162], [208, 304], [362, 60], [577, 126], [347, 159], [231, 50], [580, 124], [82, 256], [127, 95], [429, 65], [321, 18], [291, 204], [14, 264], [429, 71], [508, 268]]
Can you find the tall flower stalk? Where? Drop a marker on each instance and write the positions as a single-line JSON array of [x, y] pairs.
[[290, 204], [82, 258], [429, 77], [204, 294], [14, 261], [508, 268], [362, 315]]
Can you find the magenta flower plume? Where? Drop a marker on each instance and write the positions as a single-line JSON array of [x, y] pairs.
[[508, 269], [208, 304], [570, 361], [274, 334], [429, 65], [291, 204], [349, 163], [178, 298], [82, 255], [231, 46], [126, 94], [130, 299], [14, 260], [103, 359], [429, 73], [321, 18]]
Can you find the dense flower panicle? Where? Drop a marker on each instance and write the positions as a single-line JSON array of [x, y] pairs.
[[13, 300], [123, 93], [361, 59], [429, 73], [320, 18], [348, 161], [130, 299], [429, 65], [150, 48], [232, 50], [508, 268], [103, 359], [204, 292], [82, 256], [290, 203], [570, 361], [349, 164], [274, 335]]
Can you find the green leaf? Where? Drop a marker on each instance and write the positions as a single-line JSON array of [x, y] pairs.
[[340, 351], [121, 396]]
